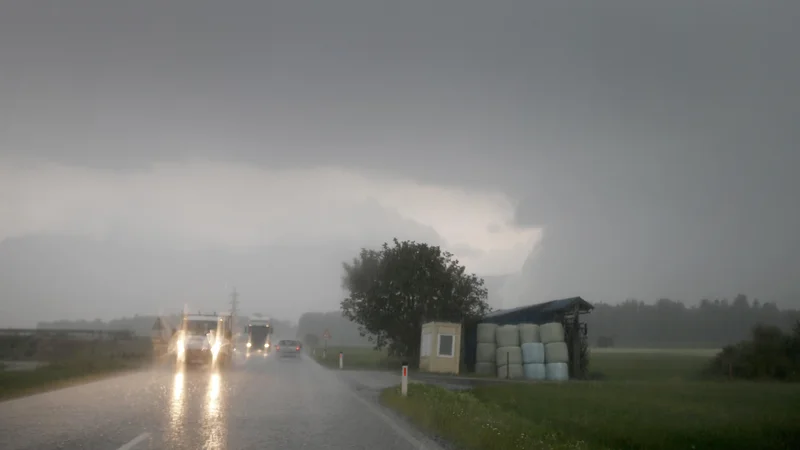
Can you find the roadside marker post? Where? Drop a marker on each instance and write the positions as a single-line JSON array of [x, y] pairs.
[[404, 381], [341, 360], [325, 337]]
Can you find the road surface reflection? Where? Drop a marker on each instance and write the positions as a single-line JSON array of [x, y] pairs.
[[214, 417], [177, 408]]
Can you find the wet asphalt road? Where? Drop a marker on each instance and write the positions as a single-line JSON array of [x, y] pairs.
[[259, 403]]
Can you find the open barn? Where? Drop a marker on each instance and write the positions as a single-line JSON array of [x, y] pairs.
[[557, 316]]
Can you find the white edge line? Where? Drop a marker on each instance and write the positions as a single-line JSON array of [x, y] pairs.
[[397, 428], [135, 441], [402, 432]]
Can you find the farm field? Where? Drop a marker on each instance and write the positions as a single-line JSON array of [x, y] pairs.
[[30, 364], [607, 364], [356, 358], [608, 415], [640, 399]]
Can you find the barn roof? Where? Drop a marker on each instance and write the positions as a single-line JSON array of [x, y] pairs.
[[551, 307]]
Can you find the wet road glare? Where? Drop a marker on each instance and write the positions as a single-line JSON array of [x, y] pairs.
[[258, 403]]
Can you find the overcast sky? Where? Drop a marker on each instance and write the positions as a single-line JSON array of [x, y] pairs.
[[156, 153]]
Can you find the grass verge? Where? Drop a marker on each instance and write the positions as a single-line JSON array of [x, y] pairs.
[[464, 420], [357, 358], [15, 384], [609, 415]]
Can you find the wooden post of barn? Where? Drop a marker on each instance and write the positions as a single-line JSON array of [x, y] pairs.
[[575, 344]]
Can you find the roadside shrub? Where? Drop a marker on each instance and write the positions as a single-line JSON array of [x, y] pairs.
[[770, 354]]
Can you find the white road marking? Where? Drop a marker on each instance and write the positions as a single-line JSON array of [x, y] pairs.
[[416, 443], [135, 441]]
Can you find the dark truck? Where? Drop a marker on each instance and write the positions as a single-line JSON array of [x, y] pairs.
[[259, 334]]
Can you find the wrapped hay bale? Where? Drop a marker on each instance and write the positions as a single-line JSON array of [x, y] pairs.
[[483, 368], [556, 352], [533, 353], [528, 332], [557, 371], [510, 371], [534, 371], [507, 336], [551, 332], [486, 333], [508, 355], [485, 353]]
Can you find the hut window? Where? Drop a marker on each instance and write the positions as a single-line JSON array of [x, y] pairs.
[[446, 345]]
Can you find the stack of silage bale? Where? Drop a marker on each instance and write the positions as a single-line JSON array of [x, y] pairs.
[[532, 352], [556, 354], [508, 354], [485, 353]]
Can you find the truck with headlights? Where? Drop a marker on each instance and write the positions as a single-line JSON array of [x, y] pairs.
[[204, 339], [259, 336]]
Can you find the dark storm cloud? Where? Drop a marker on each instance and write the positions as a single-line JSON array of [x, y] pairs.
[[656, 142]]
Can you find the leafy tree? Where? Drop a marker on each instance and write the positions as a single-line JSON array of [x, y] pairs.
[[769, 354], [394, 290]]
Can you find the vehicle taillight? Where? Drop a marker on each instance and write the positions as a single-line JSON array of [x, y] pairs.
[[298, 349], [277, 347]]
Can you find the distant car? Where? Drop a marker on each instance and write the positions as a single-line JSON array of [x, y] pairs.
[[288, 348]]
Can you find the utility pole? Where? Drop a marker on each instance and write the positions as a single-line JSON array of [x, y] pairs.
[[234, 306]]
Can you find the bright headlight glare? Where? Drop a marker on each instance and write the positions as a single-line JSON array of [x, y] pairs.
[[249, 345]]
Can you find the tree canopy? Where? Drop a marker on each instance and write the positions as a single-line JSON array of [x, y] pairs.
[[394, 290]]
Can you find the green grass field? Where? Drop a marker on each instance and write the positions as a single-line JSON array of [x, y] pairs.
[[644, 365], [645, 400], [609, 415], [55, 376], [607, 364], [357, 358], [70, 362]]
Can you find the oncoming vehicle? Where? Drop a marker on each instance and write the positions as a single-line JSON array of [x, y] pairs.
[[288, 348], [259, 334], [204, 339]]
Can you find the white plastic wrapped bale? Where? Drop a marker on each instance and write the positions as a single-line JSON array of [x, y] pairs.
[[551, 332], [507, 336], [557, 371], [533, 353], [483, 368], [486, 333], [508, 355], [534, 371], [556, 352], [510, 371], [528, 332], [485, 353]]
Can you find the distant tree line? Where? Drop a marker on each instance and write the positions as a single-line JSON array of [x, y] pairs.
[[667, 323], [143, 325], [632, 323], [344, 333]]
